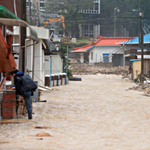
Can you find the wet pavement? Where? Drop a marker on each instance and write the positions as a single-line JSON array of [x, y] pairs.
[[97, 113]]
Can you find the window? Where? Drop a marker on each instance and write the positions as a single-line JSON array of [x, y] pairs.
[[96, 6], [28, 4], [106, 57], [91, 55], [41, 4], [91, 28]]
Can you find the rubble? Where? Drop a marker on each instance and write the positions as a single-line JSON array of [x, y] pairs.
[[86, 69], [142, 88]]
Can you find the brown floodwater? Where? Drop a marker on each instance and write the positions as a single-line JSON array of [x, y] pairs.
[[97, 113]]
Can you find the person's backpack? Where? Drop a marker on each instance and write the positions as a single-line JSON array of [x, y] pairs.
[[28, 83], [24, 83]]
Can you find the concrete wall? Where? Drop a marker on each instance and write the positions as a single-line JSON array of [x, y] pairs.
[[91, 57], [118, 60], [56, 61], [39, 74], [82, 57], [136, 68], [98, 53], [96, 31], [41, 32]]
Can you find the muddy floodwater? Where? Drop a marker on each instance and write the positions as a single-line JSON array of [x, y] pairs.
[[97, 113]]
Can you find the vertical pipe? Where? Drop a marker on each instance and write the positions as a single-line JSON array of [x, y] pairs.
[[50, 66], [19, 46], [33, 62], [58, 76], [25, 63], [67, 65]]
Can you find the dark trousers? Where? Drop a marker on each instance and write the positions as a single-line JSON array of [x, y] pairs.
[[27, 98]]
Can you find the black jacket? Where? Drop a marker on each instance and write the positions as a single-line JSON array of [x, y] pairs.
[[23, 82]]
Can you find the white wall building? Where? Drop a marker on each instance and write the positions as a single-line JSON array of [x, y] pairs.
[[57, 63], [103, 50], [35, 66]]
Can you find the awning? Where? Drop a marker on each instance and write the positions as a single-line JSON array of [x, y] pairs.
[[48, 44], [5, 13], [16, 22]]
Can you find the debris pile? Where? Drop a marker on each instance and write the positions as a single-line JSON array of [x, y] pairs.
[[86, 69], [142, 88]]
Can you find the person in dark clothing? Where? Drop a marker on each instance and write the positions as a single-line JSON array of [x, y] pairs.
[[24, 86]]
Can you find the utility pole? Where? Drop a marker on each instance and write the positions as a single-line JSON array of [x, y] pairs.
[[38, 15], [23, 35], [30, 14], [141, 39], [115, 9]]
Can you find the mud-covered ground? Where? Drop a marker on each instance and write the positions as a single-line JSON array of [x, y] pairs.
[[97, 113]]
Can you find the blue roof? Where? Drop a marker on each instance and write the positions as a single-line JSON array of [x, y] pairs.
[[135, 59], [146, 39]]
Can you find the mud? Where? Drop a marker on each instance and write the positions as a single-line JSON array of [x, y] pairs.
[[97, 113]]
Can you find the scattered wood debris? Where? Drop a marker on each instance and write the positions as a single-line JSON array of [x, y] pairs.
[[43, 134], [142, 87], [41, 127]]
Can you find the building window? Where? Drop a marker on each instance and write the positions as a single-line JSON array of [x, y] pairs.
[[96, 6], [106, 57], [88, 31], [28, 3], [41, 4], [91, 55]]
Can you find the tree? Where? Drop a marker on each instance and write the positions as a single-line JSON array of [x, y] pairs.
[[71, 10]]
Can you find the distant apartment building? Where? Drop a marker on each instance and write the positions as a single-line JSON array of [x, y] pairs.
[[36, 3], [91, 29], [94, 9]]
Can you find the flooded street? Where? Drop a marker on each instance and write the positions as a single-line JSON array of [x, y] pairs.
[[97, 113]]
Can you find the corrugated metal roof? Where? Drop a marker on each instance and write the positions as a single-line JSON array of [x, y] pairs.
[[146, 40], [135, 60]]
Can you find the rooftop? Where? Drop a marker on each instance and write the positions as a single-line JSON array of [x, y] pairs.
[[102, 41]]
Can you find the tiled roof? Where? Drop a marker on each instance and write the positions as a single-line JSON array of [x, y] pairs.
[[102, 41], [110, 41], [83, 48]]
